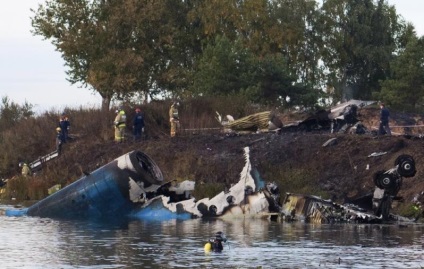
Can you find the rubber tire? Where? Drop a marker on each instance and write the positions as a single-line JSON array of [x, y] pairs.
[[406, 165], [376, 178], [385, 181]]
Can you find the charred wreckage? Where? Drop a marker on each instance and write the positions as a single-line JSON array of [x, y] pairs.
[[342, 118], [132, 186]]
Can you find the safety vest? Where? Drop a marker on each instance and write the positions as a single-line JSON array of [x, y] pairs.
[[25, 170], [173, 113], [121, 119]]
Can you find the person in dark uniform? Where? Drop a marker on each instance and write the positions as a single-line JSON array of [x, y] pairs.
[[64, 125], [384, 121], [138, 124]]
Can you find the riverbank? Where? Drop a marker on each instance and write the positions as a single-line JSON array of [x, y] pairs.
[[296, 161]]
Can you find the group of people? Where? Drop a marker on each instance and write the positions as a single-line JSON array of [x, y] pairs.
[[120, 124], [138, 123], [63, 126]]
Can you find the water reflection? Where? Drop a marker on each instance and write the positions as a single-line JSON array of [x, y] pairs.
[[45, 243]]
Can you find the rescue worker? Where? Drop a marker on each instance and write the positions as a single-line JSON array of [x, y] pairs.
[[215, 244], [26, 171], [384, 121], [120, 124], [59, 139], [64, 125], [174, 119], [138, 124]]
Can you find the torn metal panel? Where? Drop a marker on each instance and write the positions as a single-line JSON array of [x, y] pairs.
[[37, 164], [335, 111], [314, 209]]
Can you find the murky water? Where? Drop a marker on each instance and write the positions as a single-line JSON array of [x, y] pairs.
[[28, 242]]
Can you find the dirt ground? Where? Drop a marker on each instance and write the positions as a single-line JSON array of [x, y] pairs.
[[296, 161]]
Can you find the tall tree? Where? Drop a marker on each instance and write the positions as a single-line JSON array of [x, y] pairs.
[[405, 89], [359, 39], [116, 47], [222, 68]]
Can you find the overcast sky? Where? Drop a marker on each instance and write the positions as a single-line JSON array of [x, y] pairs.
[[31, 70]]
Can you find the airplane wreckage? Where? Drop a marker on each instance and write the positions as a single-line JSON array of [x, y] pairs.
[[132, 186], [341, 118]]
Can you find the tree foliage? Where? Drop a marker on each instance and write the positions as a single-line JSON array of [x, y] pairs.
[[11, 113], [116, 47], [266, 49], [359, 38], [405, 89]]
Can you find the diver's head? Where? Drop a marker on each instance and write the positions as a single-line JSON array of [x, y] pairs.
[[220, 236]]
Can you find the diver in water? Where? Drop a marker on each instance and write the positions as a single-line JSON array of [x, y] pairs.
[[215, 243]]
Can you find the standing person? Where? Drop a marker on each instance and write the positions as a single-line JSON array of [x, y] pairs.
[[26, 171], [120, 124], [174, 119], [138, 124], [59, 140], [384, 121], [64, 125]]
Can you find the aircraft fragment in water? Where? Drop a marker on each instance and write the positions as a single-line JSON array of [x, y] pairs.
[[132, 186]]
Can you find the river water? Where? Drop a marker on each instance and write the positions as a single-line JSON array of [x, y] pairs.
[[31, 242]]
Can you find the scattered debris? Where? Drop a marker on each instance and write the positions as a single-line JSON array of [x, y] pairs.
[[342, 118], [376, 154], [308, 208], [133, 186], [330, 142], [54, 189], [37, 164], [262, 121]]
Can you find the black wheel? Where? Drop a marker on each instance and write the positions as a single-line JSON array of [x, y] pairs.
[[376, 179], [406, 165], [385, 181]]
